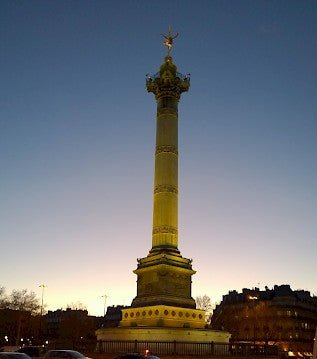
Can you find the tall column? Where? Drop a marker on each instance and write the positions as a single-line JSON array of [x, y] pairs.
[[167, 85], [164, 276]]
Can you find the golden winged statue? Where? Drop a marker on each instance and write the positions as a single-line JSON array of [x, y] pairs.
[[168, 42]]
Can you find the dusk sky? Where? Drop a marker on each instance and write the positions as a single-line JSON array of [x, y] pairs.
[[77, 137]]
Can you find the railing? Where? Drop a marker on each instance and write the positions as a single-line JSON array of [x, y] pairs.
[[187, 348], [181, 77], [151, 78]]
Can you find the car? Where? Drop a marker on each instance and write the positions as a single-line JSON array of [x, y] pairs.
[[13, 355], [65, 354], [9, 348], [130, 356], [33, 351], [136, 356]]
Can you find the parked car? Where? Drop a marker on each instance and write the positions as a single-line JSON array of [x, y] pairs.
[[136, 356], [33, 351], [9, 348], [65, 354], [130, 356], [13, 355]]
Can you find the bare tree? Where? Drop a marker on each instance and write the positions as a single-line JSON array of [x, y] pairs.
[[25, 304], [3, 298], [77, 306], [23, 300], [204, 302]]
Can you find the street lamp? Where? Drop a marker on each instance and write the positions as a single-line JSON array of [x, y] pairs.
[[42, 286], [104, 304], [253, 298]]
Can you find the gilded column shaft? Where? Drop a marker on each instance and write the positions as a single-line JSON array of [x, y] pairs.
[[167, 86], [165, 204]]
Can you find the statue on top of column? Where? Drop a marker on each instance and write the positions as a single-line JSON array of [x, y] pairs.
[[169, 40]]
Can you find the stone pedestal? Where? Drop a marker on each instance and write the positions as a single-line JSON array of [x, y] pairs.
[[163, 316], [157, 334], [165, 279]]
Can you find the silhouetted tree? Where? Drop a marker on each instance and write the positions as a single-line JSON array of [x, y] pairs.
[[204, 302], [25, 304], [3, 298], [77, 306], [24, 301]]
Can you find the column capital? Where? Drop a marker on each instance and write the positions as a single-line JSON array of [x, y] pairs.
[[168, 82]]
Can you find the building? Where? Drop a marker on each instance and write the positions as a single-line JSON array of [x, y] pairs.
[[71, 328], [18, 327], [113, 316], [279, 316]]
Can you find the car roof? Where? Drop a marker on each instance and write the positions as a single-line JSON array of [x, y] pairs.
[[63, 351], [15, 354], [130, 356]]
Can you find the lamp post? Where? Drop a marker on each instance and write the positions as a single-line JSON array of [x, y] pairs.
[[42, 286], [104, 304], [253, 298], [315, 346]]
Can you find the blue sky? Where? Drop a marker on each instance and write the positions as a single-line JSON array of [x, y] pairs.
[[77, 131]]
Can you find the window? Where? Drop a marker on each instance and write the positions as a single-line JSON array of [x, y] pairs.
[[305, 325]]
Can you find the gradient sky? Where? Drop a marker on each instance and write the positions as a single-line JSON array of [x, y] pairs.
[[77, 132]]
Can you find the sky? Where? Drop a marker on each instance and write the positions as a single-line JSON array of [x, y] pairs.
[[77, 137]]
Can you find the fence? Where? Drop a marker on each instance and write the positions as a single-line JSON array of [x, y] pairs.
[[187, 348]]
